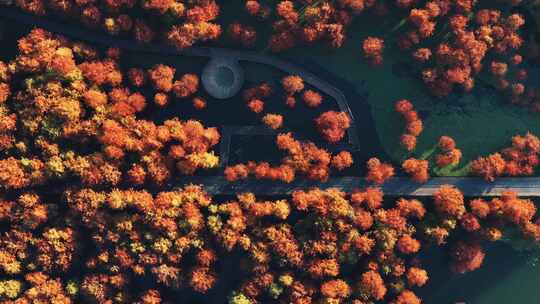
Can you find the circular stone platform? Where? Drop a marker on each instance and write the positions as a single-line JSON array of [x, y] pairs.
[[222, 77]]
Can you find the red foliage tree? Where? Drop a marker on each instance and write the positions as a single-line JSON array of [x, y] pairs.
[[418, 169], [311, 98], [245, 35], [373, 285], [519, 160], [292, 84], [342, 160], [161, 77], [332, 125], [273, 121], [373, 50], [449, 201], [378, 172], [186, 86], [467, 256], [413, 126]]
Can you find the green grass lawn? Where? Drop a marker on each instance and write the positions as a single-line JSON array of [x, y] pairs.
[[481, 122]]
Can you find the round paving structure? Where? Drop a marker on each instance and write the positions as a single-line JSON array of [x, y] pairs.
[[222, 77]]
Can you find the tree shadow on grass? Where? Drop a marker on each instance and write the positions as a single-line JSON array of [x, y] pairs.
[[446, 287]]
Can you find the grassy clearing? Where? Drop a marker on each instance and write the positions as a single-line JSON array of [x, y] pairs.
[[481, 122]]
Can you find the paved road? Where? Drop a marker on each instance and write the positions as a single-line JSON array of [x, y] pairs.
[[104, 39], [399, 186]]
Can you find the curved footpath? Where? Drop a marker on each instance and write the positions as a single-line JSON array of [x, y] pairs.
[[525, 186], [103, 39]]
